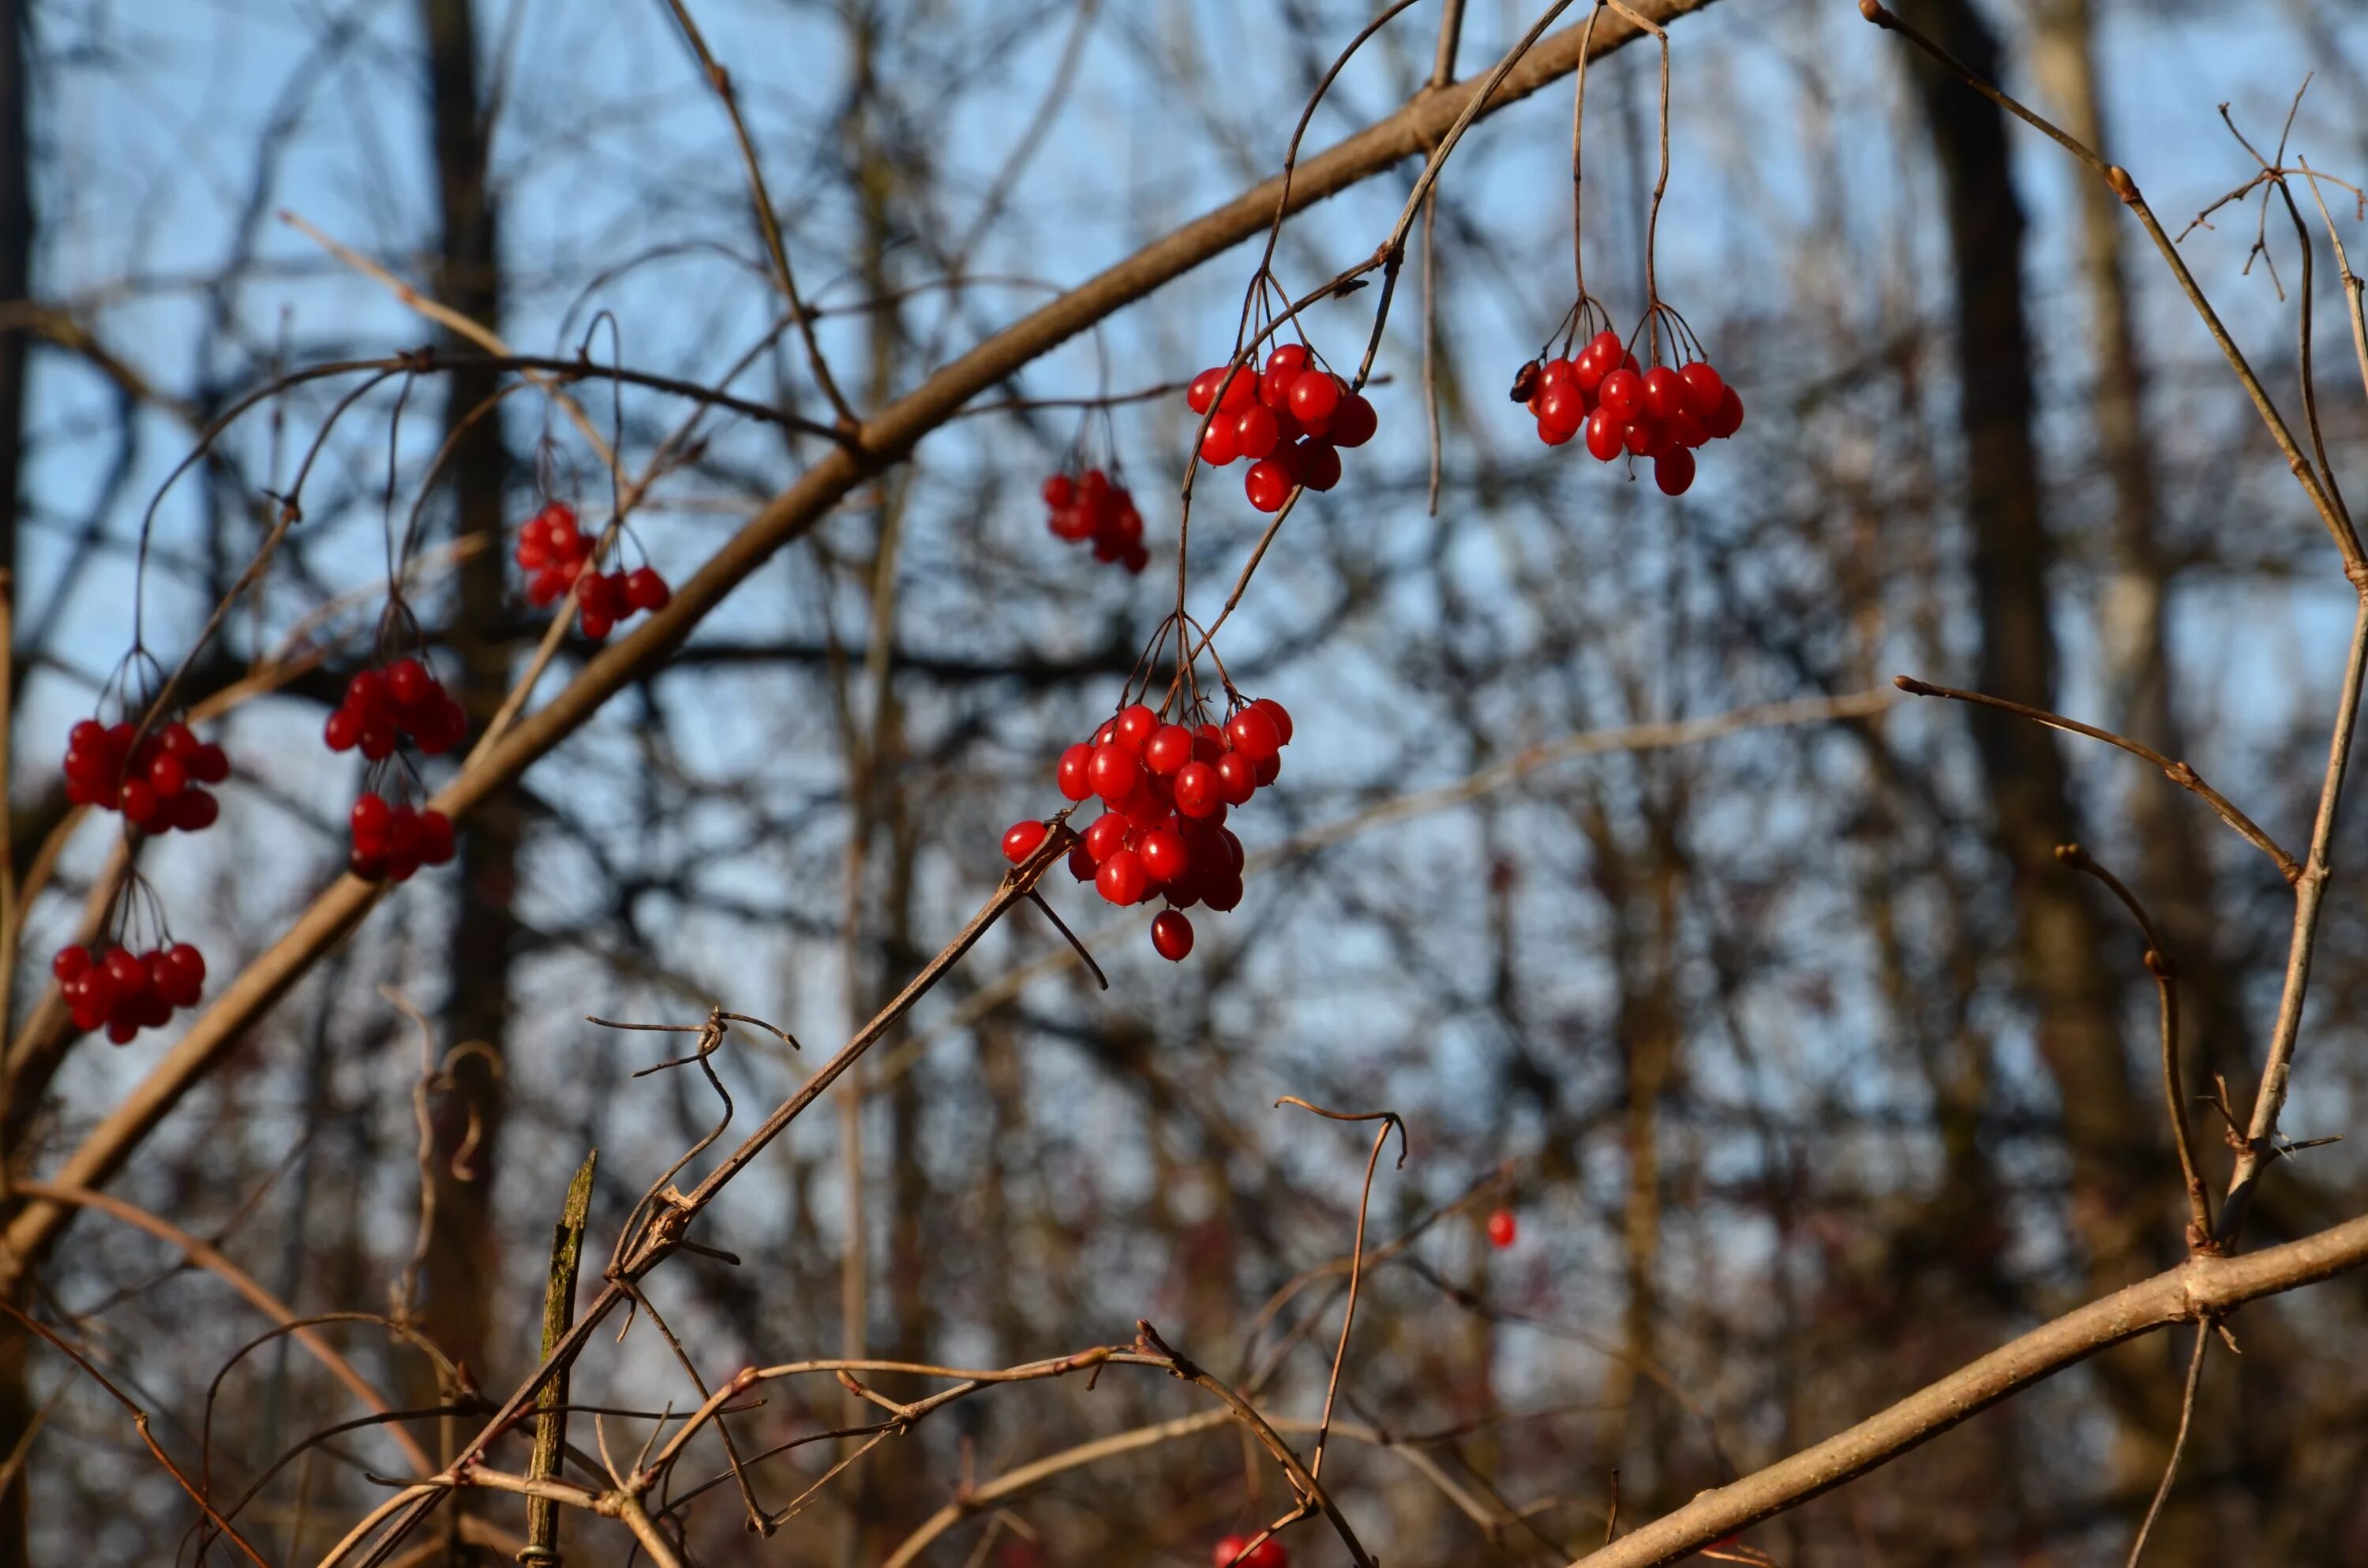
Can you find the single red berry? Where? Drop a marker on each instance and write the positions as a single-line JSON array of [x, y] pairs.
[[1197, 790], [1255, 432], [1107, 837], [378, 741], [1561, 411], [1622, 392], [138, 802], [1673, 471], [1253, 734], [366, 694], [1687, 429], [1022, 838], [1277, 715], [1274, 387], [1223, 893], [1136, 724], [1081, 862], [1074, 775], [1293, 357], [194, 810], [1727, 418], [594, 624], [1705, 389], [1115, 771], [1314, 396], [1228, 1549], [1062, 491], [189, 966], [1240, 392], [1169, 748], [1268, 484], [1217, 448], [408, 682], [1199, 397], [1604, 436], [437, 845], [1269, 1553], [1501, 1227], [1643, 436], [1354, 422], [1265, 770], [167, 776], [70, 961], [1122, 879], [646, 591], [209, 764], [1172, 935], [1319, 465], [1164, 856], [1665, 392], [129, 975], [87, 735], [1236, 778]]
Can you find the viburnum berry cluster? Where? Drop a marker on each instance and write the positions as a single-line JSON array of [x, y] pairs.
[[554, 550], [383, 709], [127, 992], [154, 779], [1291, 423], [1661, 412], [1166, 790], [1094, 505]]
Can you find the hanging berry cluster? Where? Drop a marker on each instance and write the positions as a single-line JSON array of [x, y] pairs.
[[385, 708], [554, 550], [1663, 412], [1291, 423], [1166, 790], [1093, 506], [127, 992], [153, 779]]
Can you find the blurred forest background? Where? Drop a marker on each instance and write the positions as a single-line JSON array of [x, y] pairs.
[[1807, 1069]]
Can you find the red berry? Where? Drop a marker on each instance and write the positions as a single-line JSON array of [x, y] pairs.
[[70, 962], [1136, 724], [1705, 389], [1319, 465], [1217, 448], [1665, 392], [595, 625], [1222, 894], [1354, 422], [177, 739], [369, 820], [209, 764], [1199, 397], [1197, 790], [1269, 1553], [1500, 1229], [1622, 392], [1268, 484], [1081, 862], [1687, 429], [188, 969], [1277, 715], [1021, 839], [1172, 935], [1314, 396], [1265, 770], [1075, 780], [1062, 491], [1236, 778], [89, 735], [138, 802], [408, 682], [1673, 471], [166, 775], [194, 810], [1169, 748], [378, 741], [1122, 879], [120, 1028], [1727, 418], [546, 587], [1164, 855], [646, 591], [1253, 734], [1290, 357], [129, 975], [436, 843], [1107, 837], [1561, 411], [1604, 435], [1115, 772], [1228, 1549], [1256, 433], [1642, 437], [366, 694], [1240, 392]]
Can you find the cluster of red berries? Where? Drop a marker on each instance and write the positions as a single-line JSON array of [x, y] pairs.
[[153, 782], [554, 553], [1289, 423], [1267, 1554], [391, 841], [1093, 507], [1501, 1229], [128, 992], [383, 707], [1167, 789], [1663, 413]]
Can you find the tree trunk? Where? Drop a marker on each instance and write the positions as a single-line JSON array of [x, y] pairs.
[[462, 1257]]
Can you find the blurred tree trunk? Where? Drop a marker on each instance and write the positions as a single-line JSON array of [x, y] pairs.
[[2118, 1187], [463, 1259], [15, 283]]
